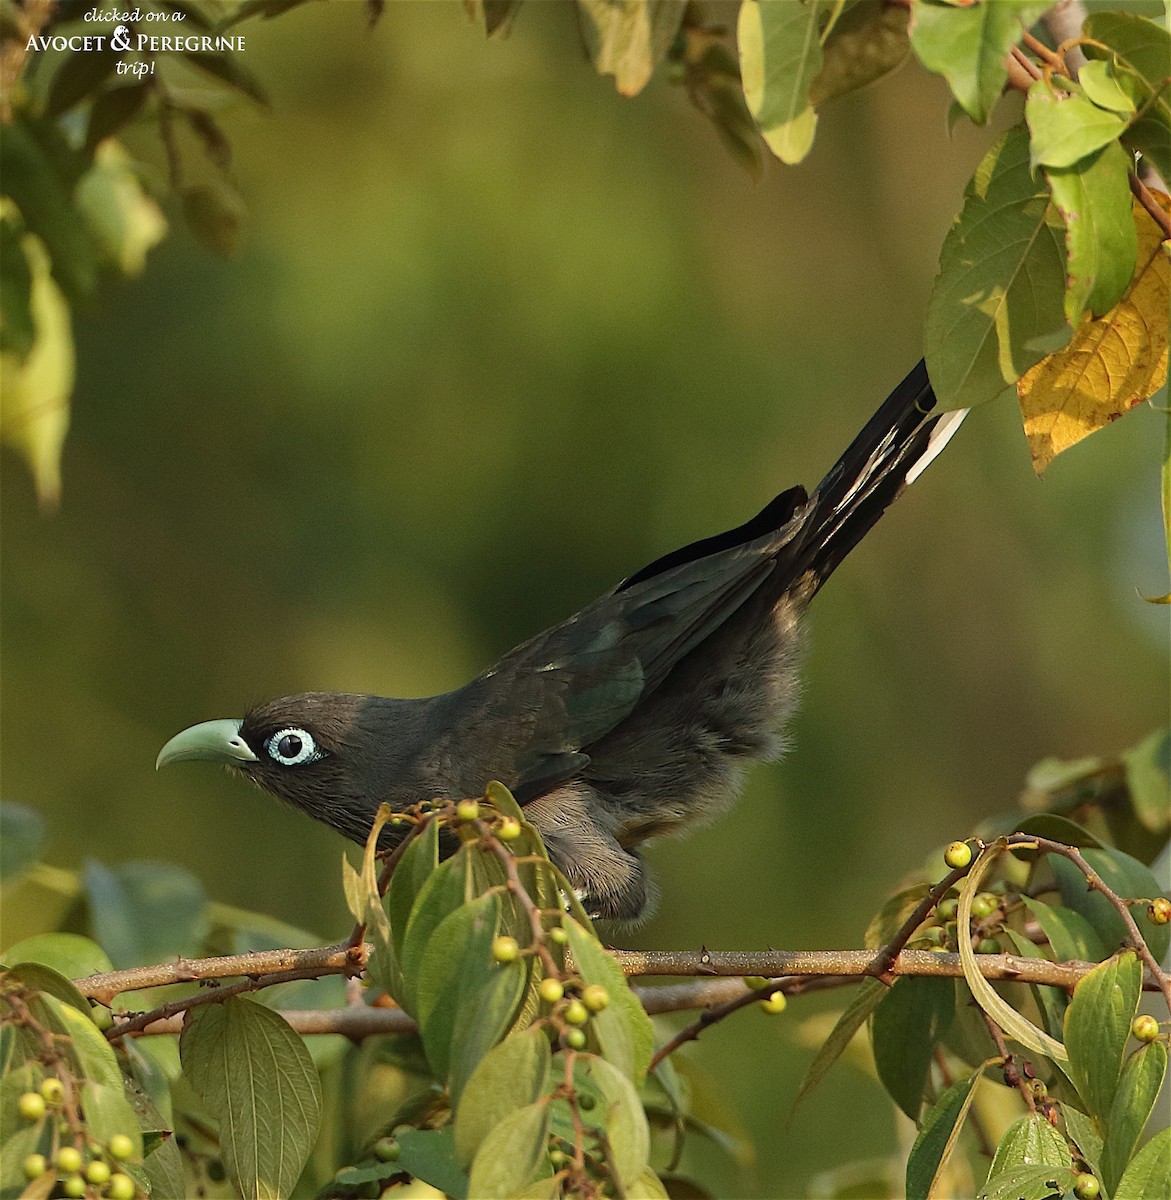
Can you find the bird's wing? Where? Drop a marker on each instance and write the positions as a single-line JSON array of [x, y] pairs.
[[558, 693]]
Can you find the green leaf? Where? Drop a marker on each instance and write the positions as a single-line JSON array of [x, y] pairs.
[[1138, 1089], [622, 1118], [94, 1054], [258, 1078], [17, 337], [163, 1169], [69, 954], [630, 38], [1013, 1023], [1072, 937], [968, 46], [228, 69], [865, 1001], [113, 110], [780, 56], [1097, 1025], [419, 859], [514, 1156], [1099, 81], [444, 891], [39, 171], [496, 14], [40, 978], [937, 1137], [909, 1020], [1128, 878], [622, 1029], [1139, 51], [144, 912], [1029, 1183], [22, 831], [484, 1016], [457, 962], [429, 1154], [510, 1076], [1030, 1141], [1066, 128], [1149, 1175], [889, 919], [1081, 1130], [108, 1112], [997, 305], [868, 41], [32, 1139], [1148, 771], [79, 76], [1101, 240], [1050, 1000]]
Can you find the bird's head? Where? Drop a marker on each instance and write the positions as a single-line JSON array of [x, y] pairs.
[[307, 750]]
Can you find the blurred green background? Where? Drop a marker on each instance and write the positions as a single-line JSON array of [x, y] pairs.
[[497, 337]]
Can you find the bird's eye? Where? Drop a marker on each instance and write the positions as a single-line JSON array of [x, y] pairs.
[[293, 747]]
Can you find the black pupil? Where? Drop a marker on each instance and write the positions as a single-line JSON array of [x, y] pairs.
[[289, 746]]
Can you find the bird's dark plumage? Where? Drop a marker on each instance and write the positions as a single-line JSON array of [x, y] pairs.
[[633, 718]]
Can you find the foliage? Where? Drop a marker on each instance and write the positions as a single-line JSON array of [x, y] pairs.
[[525, 1064], [1041, 282]]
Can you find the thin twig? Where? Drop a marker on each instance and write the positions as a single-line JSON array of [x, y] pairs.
[[1012, 1075], [1120, 905], [894, 947], [1146, 198]]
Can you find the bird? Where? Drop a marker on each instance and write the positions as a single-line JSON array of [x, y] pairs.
[[634, 718]]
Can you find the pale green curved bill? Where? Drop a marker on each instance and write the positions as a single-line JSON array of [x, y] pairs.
[[219, 741]]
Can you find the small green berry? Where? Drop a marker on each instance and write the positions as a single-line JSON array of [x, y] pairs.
[[775, 1003], [558, 1159], [958, 854], [505, 949], [1159, 910], [576, 1013], [120, 1187], [467, 810], [756, 982], [586, 1101], [34, 1166], [1086, 1187], [31, 1106], [575, 1038], [73, 1185], [947, 910], [935, 935], [987, 946], [97, 1172], [53, 1090], [387, 1149], [120, 1146], [550, 990], [68, 1160], [101, 1015], [595, 997], [558, 935], [508, 830], [1145, 1028], [984, 904]]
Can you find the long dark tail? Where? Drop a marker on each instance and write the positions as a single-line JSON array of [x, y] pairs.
[[890, 453], [895, 445]]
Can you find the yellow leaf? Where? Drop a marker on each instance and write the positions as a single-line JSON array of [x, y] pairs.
[[34, 414], [1112, 363]]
